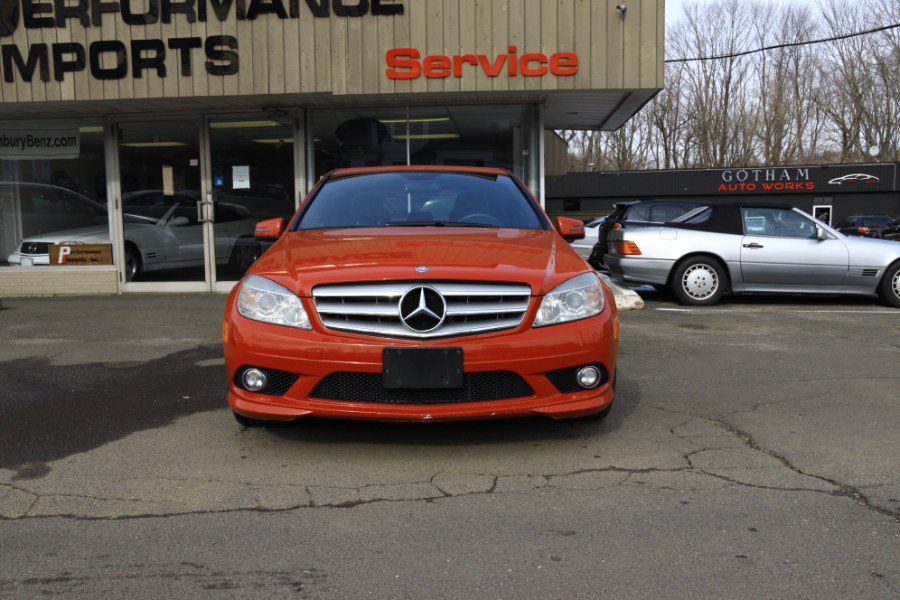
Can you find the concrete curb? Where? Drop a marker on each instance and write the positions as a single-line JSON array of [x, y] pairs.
[[626, 299]]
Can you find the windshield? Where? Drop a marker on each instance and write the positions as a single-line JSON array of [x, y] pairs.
[[420, 199]]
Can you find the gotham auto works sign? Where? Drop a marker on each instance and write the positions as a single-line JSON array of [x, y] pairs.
[[766, 180], [113, 59], [840, 178]]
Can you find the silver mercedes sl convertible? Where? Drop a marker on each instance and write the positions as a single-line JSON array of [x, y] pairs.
[[735, 247]]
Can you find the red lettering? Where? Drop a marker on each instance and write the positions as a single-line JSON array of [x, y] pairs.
[[458, 62], [531, 57], [408, 63], [436, 67], [492, 70], [403, 58], [564, 64]]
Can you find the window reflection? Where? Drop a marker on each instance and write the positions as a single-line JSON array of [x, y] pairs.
[[44, 201]]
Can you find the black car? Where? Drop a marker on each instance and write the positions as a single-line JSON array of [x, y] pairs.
[[892, 231], [637, 213], [864, 225]]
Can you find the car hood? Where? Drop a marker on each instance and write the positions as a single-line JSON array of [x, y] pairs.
[[871, 251], [301, 260], [94, 234]]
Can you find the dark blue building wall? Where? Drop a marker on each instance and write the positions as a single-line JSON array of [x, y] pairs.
[[848, 189]]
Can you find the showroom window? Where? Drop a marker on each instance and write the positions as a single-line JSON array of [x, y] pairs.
[[480, 136], [52, 192]]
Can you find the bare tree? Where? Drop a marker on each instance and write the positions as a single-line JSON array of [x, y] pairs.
[[798, 101]]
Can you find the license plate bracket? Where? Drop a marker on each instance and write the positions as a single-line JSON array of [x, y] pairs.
[[422, 368]]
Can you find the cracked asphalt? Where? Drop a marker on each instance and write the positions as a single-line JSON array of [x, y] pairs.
[[753, 452]]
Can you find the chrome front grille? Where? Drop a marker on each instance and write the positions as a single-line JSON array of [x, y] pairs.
[[375, 308], [35, 248]]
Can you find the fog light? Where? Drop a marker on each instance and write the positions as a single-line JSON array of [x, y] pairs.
[[254, 379], [588, 377]]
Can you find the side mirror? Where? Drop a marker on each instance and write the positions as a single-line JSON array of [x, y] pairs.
[[179, 222], [821, 235], [270, 228], [570, 229]]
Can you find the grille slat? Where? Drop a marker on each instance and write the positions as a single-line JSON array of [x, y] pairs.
[[374, 308]]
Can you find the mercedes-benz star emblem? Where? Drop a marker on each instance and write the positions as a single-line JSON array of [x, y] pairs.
[[422, 309]]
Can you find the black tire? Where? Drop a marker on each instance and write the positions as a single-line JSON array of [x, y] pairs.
[[599, 416], [889, 289], [133, 264], [698, 281], [246, 421], [244, 253]]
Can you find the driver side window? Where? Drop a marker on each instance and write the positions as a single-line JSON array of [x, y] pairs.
[[776, 222]]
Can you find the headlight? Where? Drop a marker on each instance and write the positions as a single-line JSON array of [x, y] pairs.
[[264, 300], [578, 298]]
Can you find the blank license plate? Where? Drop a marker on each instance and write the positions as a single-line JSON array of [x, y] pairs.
[[422, 368]]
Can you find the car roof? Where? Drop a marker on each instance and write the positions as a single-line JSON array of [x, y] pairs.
[[726, 216], [417, 168]]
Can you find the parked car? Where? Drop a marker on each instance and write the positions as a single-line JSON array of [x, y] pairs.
[[754, 248], [161, 232], [585, 245], [892, 231], [420, 294], [643, 213], [864, 225]]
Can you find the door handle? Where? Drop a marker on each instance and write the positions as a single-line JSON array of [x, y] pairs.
[[205, 211], [754, 245]]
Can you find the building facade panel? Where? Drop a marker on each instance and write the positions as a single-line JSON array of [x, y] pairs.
[[275, 47]]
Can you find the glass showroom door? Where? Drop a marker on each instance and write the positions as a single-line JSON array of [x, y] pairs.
[[251, 178], [160, 177]]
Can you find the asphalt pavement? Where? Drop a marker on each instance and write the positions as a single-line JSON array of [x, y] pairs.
[[751, 453]]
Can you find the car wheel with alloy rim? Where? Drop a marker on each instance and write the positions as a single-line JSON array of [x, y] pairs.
[[889, 290], [698, 281]]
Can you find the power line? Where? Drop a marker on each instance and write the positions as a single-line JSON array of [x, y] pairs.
[[779, 46]]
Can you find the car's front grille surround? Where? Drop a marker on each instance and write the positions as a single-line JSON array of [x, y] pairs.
[[369, 387], [374, 308], [35, 248]]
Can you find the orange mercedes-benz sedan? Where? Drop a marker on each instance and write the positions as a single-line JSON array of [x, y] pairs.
[[420, 294]]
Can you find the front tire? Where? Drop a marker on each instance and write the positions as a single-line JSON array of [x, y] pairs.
[[133, 264], [889, 289], [699, 281], [246, 421], [245, 252]]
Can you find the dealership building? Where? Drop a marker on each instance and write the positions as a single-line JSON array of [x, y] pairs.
[[140, 142]]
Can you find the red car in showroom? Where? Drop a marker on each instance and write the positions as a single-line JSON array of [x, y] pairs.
[[418, 294]]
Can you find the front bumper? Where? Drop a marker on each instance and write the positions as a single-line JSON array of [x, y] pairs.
[[527, 353], [17, 259]]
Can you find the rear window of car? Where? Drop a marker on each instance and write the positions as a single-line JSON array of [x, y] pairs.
[[420, 198], [657, 213]]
